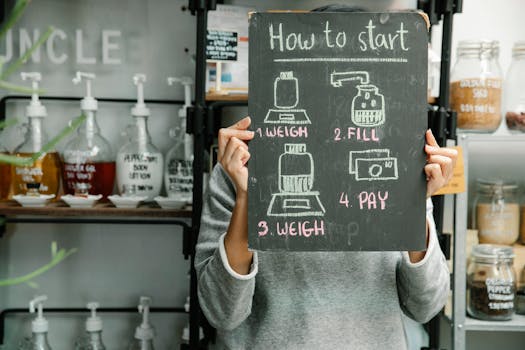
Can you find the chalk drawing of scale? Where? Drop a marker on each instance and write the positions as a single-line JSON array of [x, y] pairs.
[[296, 180], [285, 101], [368, 106]]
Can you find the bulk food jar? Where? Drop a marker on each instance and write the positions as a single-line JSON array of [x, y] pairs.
[[475, 91], [491, 283], [496, 212], [514, 90]]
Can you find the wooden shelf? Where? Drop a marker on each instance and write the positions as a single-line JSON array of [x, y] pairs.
[[226, 97], [59, 209]]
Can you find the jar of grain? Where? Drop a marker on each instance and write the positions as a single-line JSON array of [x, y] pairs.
[[496, 212], [491, 283], [514, 87], [475, 91]]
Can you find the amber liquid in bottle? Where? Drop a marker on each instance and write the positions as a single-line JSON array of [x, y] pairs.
[[45, 171], [5, 180], [100, 177]]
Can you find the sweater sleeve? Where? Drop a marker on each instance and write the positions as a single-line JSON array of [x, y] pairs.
[[225, 296], [423, 286]]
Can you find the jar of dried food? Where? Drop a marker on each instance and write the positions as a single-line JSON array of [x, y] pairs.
[[475, 91], [491, 282], [514, 87], [496, 212]]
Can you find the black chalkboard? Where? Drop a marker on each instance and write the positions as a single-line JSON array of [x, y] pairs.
[[221, 45], [338, 106]]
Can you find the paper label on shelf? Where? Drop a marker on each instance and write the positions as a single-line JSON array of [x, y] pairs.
[[457, 183], [140, 174]]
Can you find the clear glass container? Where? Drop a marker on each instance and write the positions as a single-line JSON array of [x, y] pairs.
[[139, 163], [496, 212], [38, 341], [491, 283], [514, 90], [475, 91], [91, 341], [89, 162], [178, 172], [43, 176]]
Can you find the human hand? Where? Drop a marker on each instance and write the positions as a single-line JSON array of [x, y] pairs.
[[440, 164], [233, 152]]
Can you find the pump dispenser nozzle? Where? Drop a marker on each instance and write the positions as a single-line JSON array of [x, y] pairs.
[[39, 324], [140, 109], [88, 103], [144, 331], [187, 82], [93, 323], [35, 108]]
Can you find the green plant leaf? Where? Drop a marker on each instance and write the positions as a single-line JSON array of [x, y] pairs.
[[19, 62], [28, 161], [17, 88], [7, 123], [66, 131], [16, 13], [57, 259]]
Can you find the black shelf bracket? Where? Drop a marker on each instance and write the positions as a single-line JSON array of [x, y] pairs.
[[202, 5]]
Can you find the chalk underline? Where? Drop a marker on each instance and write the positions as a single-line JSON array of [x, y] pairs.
[[343, 59]]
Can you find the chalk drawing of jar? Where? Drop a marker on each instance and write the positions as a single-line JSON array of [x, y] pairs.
[[286, 91], [368, 106], [296, 169]]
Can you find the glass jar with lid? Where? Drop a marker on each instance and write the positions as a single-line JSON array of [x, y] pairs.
[[496, 212], [491, 283], [475, 91], [514, 90]]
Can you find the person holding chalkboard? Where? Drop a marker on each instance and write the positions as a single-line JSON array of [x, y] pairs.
[[314, 300]]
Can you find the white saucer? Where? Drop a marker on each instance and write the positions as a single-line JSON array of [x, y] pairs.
[[33, 201], [170, 202], [81, 202], [126, 201]]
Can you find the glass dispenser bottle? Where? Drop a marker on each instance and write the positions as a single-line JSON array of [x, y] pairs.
[[93, 337], [43, 176], [144, 333], [139, 162], [89, 164], [39, 327], [178, 171], [514, 90]]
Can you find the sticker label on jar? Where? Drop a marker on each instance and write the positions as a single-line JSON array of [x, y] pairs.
[[500, 294], [498, 224], [477, 102]]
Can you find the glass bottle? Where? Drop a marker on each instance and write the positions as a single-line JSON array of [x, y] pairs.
[[491, 283], [89, 164], [178, 171], [475, 91], [144, 333], [139, 163], [39, 327], [514, 90], [496, 212], [43, 176], [92, 340]]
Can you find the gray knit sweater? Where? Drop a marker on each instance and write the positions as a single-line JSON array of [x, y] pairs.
[[312, 300]]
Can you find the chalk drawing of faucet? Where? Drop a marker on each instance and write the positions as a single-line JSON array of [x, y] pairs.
[[368, 106]]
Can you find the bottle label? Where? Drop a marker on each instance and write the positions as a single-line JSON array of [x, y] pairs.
[[140, 172], [180, 178], [500, 294], [43, 176], [477, 102]]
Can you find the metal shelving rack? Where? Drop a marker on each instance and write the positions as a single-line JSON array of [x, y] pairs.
[[461, 323]]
